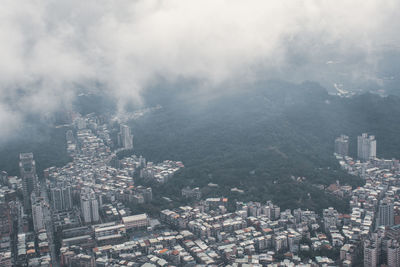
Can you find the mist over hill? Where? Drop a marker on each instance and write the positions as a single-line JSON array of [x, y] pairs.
[[258, 139], [188, 132]]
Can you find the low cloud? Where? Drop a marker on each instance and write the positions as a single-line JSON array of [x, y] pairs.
[[48, 49]]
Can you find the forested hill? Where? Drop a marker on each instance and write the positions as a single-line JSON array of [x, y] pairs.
[[45, 139], [47, 143], [258, 137]]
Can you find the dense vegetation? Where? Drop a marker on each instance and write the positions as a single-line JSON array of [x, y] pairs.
[[45, 139], [47, 143], [259, 139]]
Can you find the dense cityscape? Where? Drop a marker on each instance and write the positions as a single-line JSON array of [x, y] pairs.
[[82, 214], [152, 133]]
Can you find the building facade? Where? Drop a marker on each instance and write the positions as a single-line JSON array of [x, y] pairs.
[[366, 147], [61, 198], [37, 213], [136, 221], [386, 214], [89, 206], [125, 137], [27, 167], [370, 254], [342, 145], [393, 254], [5, 220]]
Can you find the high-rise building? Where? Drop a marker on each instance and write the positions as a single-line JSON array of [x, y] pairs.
[[89, 206], [393, 232], [272, 211], [80, 123], [370, 254], [5, 219], [366, 147], [342, 145], [330, 216], [4, 177], [61, 198], [146, 192], [70, 136], [393, 254], [386, 213], [86, 210], [125, 138], [27, 169], [95, 210], [294, 242], [56, 198], [37, 212]]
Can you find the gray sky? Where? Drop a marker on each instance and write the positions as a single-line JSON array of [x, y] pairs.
[[47, 48]]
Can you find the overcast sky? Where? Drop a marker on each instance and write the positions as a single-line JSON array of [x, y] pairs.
[[47, 48]]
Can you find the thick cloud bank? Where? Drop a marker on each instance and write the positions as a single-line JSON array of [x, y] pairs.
[[50, 48]]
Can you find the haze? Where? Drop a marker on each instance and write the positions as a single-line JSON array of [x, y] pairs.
[[50, 50]]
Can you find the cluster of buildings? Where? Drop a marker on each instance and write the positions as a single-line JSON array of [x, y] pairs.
[[6, 225], [25, 237], [33, 249], [372, 230], [161, 172], [204, 234], [256, 234], [86, 203], [83, 214], [366, 146], [191, 193], [79, 245], [102, 182]]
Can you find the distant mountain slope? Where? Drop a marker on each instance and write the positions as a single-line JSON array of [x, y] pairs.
[[257, 139], [47, 143]]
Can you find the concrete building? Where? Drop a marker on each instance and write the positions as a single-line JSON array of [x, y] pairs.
[[80, 123], [188, 192], [125, 137], [5, 220], [61, 198], [370, 254], [70, 136], [386, 214], [146, 192], [393, 232], [108, 229], [366, 147], [393, 254], [4, 177], [330, 216], [37, 213], [89, 206], [342, 145], [27, 167], [136, 221], [294, 242], [5, 259]]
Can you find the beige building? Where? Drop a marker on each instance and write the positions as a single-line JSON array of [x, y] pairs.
[[136, 221]]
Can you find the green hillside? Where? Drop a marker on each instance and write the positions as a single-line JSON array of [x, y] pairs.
[[256, 139]]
